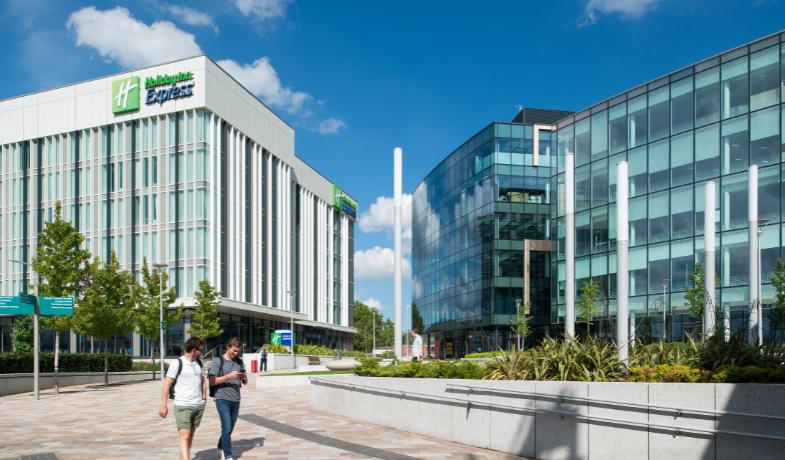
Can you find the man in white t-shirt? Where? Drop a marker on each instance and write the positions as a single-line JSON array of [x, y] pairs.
[[416, 346], [190, 393]]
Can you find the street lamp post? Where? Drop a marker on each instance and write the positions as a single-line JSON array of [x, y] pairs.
[[36, 338], [373, 312], [517, 314], [761, 223], [161, 266], [291, 326], [664, 309]]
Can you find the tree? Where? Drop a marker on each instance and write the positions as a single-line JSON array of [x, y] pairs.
[[417, 322], [587, 307], [22, 333], [147, 315], [204, 320], [363, 319], [695, 292], [520, 324], [778, 282], [61, 265], [107, 308]]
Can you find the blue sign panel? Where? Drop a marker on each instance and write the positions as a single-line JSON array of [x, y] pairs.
[[56, 306], [14, 305]]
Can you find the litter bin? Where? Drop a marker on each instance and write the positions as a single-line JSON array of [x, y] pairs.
[[254, 365]]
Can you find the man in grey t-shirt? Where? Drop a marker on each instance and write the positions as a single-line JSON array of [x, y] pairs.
[[226, 375]]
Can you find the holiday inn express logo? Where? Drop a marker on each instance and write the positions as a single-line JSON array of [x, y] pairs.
[[125, 95]]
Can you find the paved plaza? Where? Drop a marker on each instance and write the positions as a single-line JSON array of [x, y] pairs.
[[121, 422]]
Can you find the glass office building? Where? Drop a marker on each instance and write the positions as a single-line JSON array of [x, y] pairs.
[[708, 121], [474, 213], [477, 218]]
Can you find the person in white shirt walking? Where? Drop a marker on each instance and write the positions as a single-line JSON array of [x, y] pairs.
[[185, 383], [416, 346]]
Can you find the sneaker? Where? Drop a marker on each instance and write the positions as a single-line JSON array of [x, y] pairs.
[[222, 455]]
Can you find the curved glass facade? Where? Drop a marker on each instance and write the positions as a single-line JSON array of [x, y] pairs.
[[471, 215], [711, 120]]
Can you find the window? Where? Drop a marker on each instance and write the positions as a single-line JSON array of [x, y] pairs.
[[681, 159], [582, 233], [764, 143], [637, 270], [565, 137], [638, 223], [659, 262], [599, 183], [735, 258], [735, 141], [582, 188], [682, 264], [155, 170], [659, 121], [659, 160], [707, 97], [612, 163], [735, 93], [734, 201], [617, 128], [637, 171], [637, 119], [599, 229], [599, 135], [769, 194], [707, 145], [582, 143], [764, 78], [681, 212], [659, 217]]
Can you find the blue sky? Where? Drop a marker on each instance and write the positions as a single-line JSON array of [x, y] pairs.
[[356, 78]]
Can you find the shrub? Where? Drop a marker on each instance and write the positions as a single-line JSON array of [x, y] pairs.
[[276, 348], [667, 373], [312, 350], [351, 353], [589, 359], [484, 354], [749, 374], [148, 366], [432, 369], [654, 354], [69, 362]]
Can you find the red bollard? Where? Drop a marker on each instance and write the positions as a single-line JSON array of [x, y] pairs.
[[254, 365]]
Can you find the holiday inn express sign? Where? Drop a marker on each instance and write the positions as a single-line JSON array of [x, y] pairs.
[[126, 92]]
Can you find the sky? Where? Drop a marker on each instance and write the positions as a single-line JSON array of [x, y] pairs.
[[356, 78]]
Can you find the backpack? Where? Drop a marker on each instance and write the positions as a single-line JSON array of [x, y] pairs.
[[180, 369], [214, 388]]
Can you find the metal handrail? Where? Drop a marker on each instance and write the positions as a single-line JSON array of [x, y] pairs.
[[674, 428], [678, 410]]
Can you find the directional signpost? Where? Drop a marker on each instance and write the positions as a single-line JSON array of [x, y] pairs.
[[28, 304]]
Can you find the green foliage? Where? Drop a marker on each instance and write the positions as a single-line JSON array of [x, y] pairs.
[[695, 291], [22, 333], [107, 307], [69, 362], [590, 359], [778, 282], [352, 354], [520, 323], [61, 264], [147, 314], [363, 317], [204, 321], [749, 374], [668, 373], [148, 366], [417, 321], [312, 350], [276, 348], [484, 354], [587, 306], [654, 354], [418, 369], [716, 352]]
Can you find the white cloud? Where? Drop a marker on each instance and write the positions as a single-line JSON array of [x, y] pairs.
[[373, 303], [377, 263], [331, 126], [262, 9], [192, 17], [381, 218], [119, 37], [261, 79], [626, 9]]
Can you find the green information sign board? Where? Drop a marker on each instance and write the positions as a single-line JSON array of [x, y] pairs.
[[14, 305], [56, 306]]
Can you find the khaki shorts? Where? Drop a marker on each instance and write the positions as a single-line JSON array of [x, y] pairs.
[[188, 417]]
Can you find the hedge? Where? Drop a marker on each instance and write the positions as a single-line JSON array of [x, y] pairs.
[[13, 363]]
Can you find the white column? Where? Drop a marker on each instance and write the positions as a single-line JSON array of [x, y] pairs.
[[398, 186], [569, 246], [752, 212], [622, 244], [709, 219], [268, 243]]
